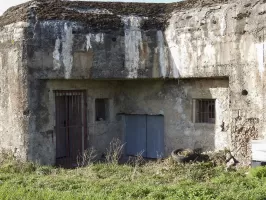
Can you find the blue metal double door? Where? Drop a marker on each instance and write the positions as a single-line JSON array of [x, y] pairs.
[[145, 135]]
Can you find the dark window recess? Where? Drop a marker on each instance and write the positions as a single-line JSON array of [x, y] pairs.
[[244, 92], [205, 111], [101, 109]]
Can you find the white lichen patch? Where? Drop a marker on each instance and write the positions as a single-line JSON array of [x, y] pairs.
[[98, 38], [174, 49], [260, 57], [56, 55], [161, 51], [67, 45], [133, 42], [88, 45]]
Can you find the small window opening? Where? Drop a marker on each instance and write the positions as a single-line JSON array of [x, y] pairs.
[[101, 109], [204, 111]]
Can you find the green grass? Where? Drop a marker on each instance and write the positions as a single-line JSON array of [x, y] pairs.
[[154, 180]]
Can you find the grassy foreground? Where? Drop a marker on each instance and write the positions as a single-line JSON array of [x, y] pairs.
[[153, 180]]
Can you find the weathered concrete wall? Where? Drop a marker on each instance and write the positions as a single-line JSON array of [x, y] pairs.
[[72, 51], [173, 99], [14, 112], [225, 40], [222, 40], [100, 133], [200, 40], [63, 50]]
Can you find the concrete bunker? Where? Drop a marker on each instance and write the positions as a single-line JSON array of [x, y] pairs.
[[187, 74], [151, 117]]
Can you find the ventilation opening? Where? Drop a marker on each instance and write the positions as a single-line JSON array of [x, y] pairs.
[[244, 92], [204, 111], [101, 109]]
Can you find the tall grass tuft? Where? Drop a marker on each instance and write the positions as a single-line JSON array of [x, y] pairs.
[[114, 151], [87, 158]]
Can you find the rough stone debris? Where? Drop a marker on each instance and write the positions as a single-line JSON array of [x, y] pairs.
[[153, 59]]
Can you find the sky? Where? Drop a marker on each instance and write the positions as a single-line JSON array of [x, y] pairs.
[[5, 4]]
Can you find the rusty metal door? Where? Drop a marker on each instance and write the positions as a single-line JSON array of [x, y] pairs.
[[71, 128]]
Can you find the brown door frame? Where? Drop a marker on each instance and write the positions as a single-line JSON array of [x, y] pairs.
[[83, 114]]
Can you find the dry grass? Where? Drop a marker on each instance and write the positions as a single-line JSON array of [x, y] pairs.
[[114, 151]]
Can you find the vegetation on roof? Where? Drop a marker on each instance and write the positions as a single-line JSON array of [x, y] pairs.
[[157, 13]]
